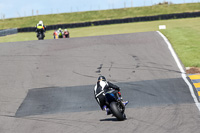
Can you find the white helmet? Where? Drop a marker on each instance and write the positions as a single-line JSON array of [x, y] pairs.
[[65, 29], [40, 22]]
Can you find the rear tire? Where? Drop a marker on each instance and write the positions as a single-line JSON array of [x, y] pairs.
[[116, 110]]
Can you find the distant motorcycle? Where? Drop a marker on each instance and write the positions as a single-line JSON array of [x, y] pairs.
[[66, 34], [115, 105], [60, 34], [40, 34]]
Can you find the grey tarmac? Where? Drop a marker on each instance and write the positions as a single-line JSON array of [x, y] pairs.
[[47, 86]]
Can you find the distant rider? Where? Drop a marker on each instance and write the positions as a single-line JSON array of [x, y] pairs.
[[66, 33], [101, 87], [60, 33], [55, 34], [40, 26]]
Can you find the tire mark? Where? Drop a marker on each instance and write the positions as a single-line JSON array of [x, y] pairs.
[[99, 68]]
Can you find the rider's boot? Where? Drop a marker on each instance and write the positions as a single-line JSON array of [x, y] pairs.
[[125, 102], [107, 110]]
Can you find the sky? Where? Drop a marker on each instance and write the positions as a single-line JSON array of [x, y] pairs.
[[23, 8]]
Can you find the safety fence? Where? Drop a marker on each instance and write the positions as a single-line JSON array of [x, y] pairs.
[[8, 32], [117, 21]]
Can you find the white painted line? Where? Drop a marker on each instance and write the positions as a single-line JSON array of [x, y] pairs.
[[183, 73]]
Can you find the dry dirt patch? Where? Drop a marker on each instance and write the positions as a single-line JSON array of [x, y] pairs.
[[193, 70]]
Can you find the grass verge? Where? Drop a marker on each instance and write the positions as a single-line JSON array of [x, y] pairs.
[[76, 17]]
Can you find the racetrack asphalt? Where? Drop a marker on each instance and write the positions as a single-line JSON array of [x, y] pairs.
[[47, 86]]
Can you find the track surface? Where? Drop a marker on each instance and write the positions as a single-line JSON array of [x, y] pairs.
[[47, 86]]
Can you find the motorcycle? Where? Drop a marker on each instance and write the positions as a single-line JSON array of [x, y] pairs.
[[115, 105], [40, 35], [66, 34], [60, 34]]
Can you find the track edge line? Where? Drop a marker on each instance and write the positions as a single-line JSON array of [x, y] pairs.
[[183, 73]]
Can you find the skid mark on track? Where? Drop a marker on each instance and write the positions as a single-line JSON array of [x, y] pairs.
[[84, 75], [111, 64], [99, 68]]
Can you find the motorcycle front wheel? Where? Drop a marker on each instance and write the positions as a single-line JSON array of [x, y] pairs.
[[117, 110], [40, 37]]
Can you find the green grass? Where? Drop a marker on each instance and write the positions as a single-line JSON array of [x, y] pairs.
[[185, 39], [184, 35], [98, 15]]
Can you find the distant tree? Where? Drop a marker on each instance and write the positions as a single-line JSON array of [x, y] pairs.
[[164, 3]]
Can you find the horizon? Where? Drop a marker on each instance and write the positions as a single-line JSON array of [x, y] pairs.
[[19, 9]]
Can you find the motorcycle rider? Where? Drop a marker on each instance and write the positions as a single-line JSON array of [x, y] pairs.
[[60, 33], [40, 26], [100, 88], [66, 33], [55, 35]]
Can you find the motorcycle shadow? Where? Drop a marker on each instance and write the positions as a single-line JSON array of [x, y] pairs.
[[109, 119]]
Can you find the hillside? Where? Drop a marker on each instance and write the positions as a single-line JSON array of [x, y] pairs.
[[98, 15]]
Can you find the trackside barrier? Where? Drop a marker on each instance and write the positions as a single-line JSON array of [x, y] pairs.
[[117, 21], [8, 32]]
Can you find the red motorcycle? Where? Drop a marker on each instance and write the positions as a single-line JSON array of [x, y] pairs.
[[66, 34]]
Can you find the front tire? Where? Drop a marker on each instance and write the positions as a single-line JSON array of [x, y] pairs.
[[117, 111], [40, 37]]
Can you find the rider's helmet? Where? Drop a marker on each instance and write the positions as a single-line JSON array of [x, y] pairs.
[[65, 30], [40, 22], [101, 78]]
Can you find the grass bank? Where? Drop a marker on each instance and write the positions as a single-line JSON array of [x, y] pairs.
[[98, 15], [184, 35]]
